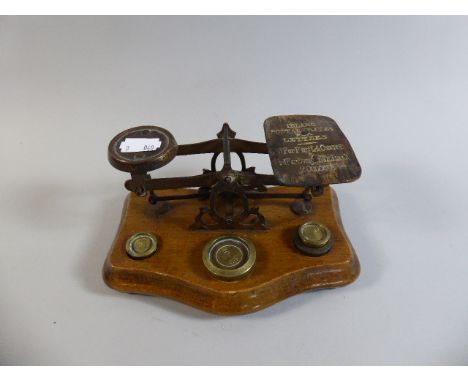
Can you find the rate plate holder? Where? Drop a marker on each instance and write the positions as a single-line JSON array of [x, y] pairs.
[[142, 149], [309, 150]]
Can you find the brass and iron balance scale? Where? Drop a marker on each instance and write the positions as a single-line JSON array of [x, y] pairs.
[[234, 241]]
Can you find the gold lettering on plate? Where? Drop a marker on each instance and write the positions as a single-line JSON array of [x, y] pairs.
[[309, 150], [301, 131], [316, 159]]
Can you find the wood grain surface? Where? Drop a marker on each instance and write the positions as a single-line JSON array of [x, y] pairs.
[[177, 270]]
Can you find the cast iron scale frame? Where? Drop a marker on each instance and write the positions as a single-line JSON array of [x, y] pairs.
[[227, 187]]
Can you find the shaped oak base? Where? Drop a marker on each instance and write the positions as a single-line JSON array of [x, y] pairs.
[[177, 271]]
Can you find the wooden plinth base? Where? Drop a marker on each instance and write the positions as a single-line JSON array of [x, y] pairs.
[[177, 270]]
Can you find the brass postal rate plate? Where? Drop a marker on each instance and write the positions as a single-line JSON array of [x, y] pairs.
[[309, 150]]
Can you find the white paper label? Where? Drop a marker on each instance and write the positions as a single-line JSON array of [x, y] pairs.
[[136, 145]]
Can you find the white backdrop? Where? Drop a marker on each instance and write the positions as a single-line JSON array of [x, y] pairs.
[[397, 87]]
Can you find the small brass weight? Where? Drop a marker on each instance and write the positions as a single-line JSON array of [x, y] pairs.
[[233, 241]]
